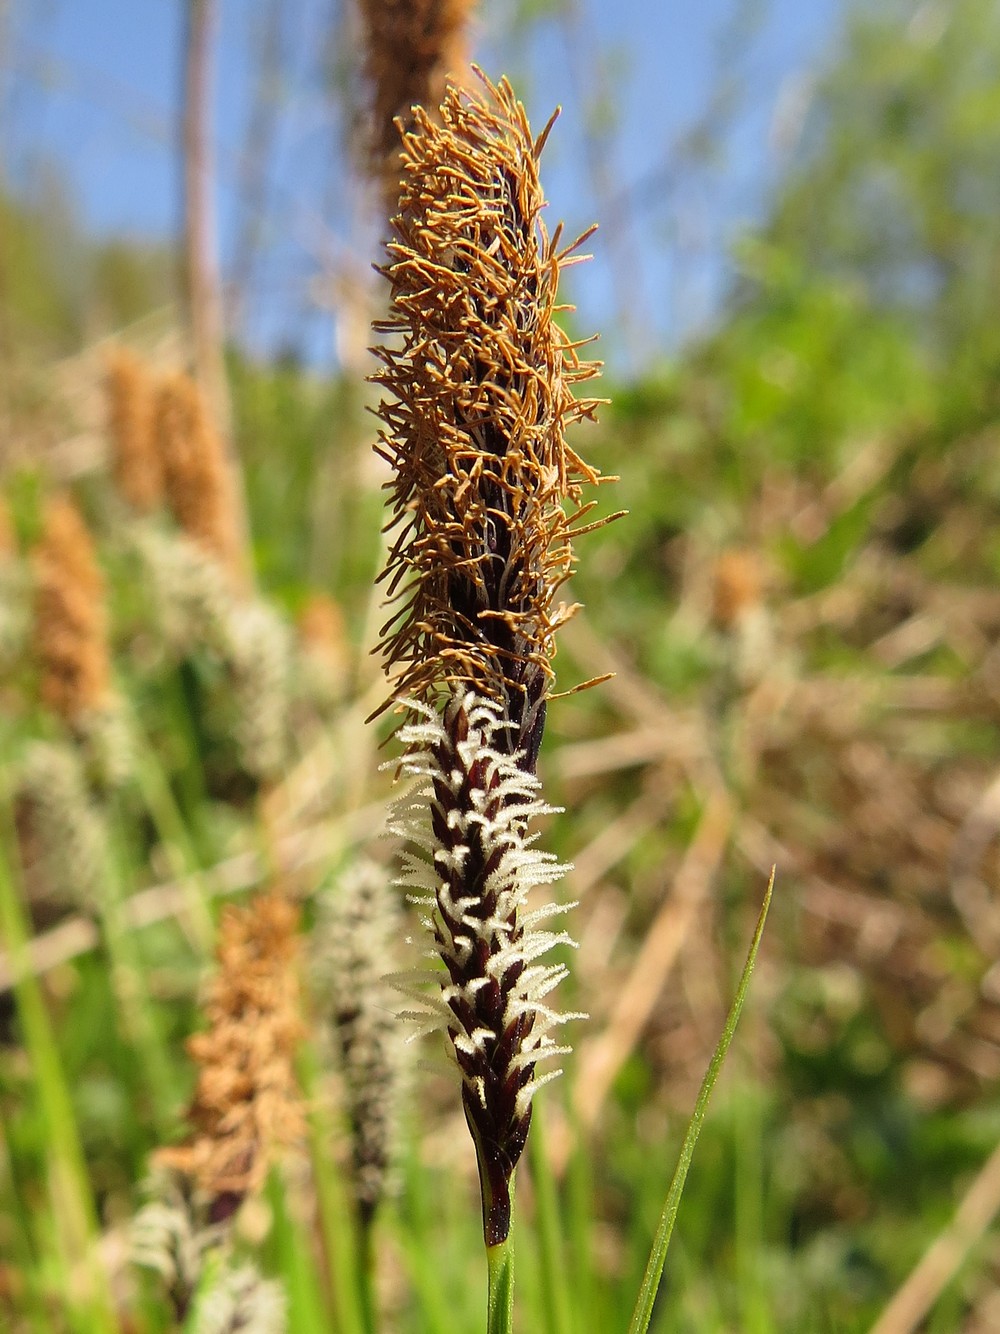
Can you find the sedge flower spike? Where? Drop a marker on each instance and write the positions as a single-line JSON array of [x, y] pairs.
[[247, 1106], [486, 497], [481, 380]]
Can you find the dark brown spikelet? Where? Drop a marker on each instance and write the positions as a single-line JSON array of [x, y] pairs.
[[135, 462], [195, 472], [247, 1105], [70, 631], [411, 47], [480, 382]]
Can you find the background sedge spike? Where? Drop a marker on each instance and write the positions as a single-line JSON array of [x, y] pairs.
[[70, 630], [198, 487], [247, 1106], [136, 465], [411, 47]]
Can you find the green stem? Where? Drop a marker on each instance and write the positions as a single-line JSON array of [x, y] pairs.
[[170, 827], [338, 1225], [73, 1204], [129, 984], [654, 1269], [500, 1304], [21, 1251], [366, 1272], [296, 1262], [588, 1296]]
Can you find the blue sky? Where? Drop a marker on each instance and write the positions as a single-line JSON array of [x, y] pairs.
[[91, 87]]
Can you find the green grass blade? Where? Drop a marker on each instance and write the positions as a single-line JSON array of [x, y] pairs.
[[589, 1307], [173, 834], [292, 1242], [338, 1226], [553, 1260], [129, 978], [755, 1313], [69, 1185], [642, 1314], [418, 1226]]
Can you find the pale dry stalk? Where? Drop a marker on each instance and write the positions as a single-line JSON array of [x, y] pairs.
[[976, 1210]]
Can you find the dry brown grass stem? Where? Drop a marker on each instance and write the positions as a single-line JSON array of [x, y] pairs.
[[135, 464], [195, 471], [942, 1260], [70, 620], [682, 741], [247, 1107], [480, 381], [617, 837], [602, 1056], [411, 49]]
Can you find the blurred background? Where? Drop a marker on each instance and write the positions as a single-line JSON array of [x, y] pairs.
[[795, 282], [676, 130]]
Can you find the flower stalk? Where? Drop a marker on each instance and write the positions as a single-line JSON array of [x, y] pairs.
[[500, 1297]]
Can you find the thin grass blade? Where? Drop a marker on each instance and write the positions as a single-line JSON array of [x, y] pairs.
[[642, 1314], [550, 1232]]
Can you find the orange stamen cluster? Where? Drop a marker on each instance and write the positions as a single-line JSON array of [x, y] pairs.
[[480, 381]]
